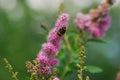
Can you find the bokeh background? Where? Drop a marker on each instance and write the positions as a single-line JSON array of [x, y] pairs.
[[21, 35]]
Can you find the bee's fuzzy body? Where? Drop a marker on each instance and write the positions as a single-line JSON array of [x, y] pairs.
[[61, 31]]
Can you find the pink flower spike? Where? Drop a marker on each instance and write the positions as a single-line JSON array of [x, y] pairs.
[[106, 23], [96, 32], [50, 48], [42, 57], [53, 61], [82, 21], [45, 70], [62, 21], [53, 37], [43, 60]]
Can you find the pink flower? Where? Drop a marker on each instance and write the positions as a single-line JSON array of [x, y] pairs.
[[53, 62], [45, 70], [82, 21], [100, 29], [97, 21], [96, 33], [56, 78], [105, 24], [53, 37], [50, 48], [42, 57], [96, 28], [62, 21]]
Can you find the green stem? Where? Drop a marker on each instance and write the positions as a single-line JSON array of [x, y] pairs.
[[69, 49], [81, 74], [67, 42]]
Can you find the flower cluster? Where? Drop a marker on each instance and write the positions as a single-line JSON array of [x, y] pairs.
[[97, 21], [56, 78], [10, 69], [46, 56]]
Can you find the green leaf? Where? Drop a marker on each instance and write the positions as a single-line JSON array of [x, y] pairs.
[[27, 78], [97, 40], [72, 35], [94, 69], [68, 68]]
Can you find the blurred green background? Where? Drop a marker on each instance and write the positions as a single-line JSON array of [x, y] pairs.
[[21, 36]]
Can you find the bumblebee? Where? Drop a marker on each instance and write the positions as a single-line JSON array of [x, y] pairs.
[[61, 31]]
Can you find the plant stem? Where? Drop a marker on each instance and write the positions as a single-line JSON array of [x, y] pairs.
[[67, 42], [69, 49], [81, 74], [10, 69]]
